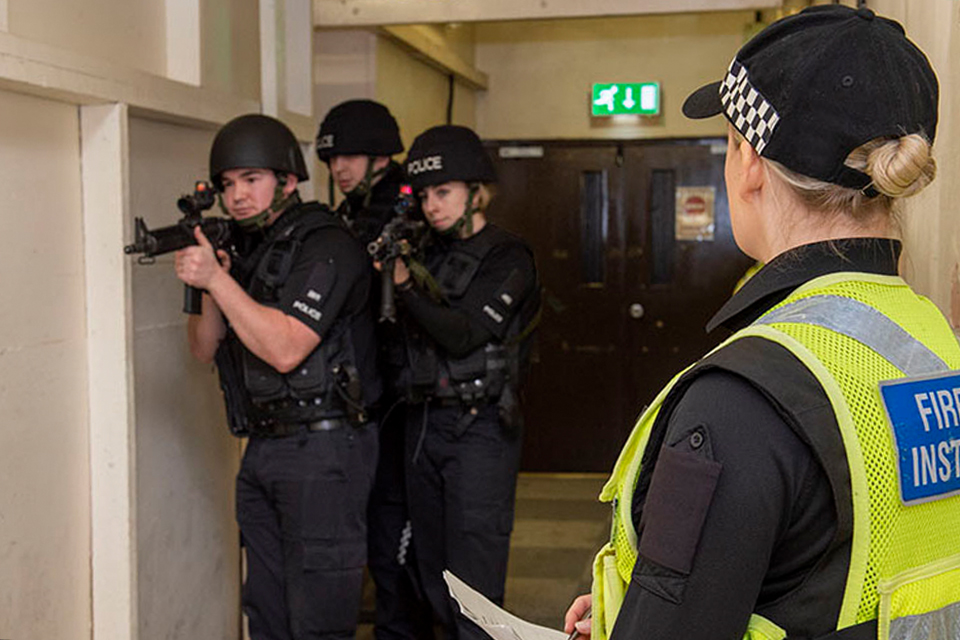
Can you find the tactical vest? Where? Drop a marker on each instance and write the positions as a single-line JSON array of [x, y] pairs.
[[327, 383], [488, 374], [852, 331]]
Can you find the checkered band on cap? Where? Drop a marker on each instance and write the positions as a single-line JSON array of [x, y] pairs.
[[747, 109]]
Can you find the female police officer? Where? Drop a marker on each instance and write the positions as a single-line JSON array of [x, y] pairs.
[[791, 483], [467, 323]]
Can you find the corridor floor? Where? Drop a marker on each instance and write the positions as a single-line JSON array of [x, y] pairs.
[[559, 525]]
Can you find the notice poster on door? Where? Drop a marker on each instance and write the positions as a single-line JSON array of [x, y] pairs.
[[695, 213]]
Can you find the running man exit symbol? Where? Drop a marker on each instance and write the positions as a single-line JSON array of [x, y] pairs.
[[619, 99]]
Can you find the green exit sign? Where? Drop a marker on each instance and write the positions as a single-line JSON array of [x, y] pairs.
[[641, 99]]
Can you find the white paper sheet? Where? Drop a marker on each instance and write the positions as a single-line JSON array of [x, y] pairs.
[[499, 624]]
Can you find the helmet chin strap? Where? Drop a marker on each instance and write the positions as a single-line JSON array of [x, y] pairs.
[[365, 187], [465, 221], [280, 202]]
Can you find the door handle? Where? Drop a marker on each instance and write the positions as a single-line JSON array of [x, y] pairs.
[[636, 311]]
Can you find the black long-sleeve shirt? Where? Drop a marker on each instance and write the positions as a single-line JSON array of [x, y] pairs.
[[461, 325]]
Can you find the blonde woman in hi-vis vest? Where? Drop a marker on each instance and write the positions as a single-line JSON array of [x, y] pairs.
[[802, 479]]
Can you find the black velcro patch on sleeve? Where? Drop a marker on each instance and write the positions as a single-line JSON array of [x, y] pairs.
[[315, 293], [676, 507], [505, 302]]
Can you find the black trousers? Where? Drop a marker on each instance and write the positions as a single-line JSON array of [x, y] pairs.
[[401, 613], [461, 488], [301, 507]]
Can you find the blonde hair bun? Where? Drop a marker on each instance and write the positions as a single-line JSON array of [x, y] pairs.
[[900, 167]]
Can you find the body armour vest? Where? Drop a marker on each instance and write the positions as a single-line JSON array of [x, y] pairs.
[[488, 374], [326, 384], [852, 331]]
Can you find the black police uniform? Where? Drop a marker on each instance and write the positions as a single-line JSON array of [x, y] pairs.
[[400, 612], [745, 408], [309, 464], [463, 432]]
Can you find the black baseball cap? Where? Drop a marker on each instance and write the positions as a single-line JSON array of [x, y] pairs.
[[447, 153], [812, 87]]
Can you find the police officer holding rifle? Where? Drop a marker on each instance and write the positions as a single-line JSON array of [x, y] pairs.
[[467, 317], [288, 324]]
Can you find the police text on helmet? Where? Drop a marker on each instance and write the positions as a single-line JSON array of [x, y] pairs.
[[430, 163]]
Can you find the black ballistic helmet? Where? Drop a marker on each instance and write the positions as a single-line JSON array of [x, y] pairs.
[[812, 87], [255, 141], [358, 128], [446, 153]]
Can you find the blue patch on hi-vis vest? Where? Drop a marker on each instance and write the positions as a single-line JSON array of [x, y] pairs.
[[924, 413]]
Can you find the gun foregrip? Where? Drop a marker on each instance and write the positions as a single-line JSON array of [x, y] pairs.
[[388, 305], [192, 300]]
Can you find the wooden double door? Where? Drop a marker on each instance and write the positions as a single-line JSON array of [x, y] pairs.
[[634, 260]]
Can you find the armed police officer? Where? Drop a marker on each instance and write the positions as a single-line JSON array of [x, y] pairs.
[[468, 316], [288, 323], [356, 141]]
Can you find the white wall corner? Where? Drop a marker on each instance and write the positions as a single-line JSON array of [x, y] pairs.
[[269, 60], [183, 40], [298, 56], [106, 203]]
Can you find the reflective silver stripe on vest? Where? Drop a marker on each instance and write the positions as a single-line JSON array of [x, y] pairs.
[[942, 623], [864, 324]]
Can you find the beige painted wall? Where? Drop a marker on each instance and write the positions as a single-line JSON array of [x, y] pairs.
[[541, 72], [134, 35], [184, 547], [930, 221], [417, 93], [131, 32], [44, 469], [230, 46], [188, 555]]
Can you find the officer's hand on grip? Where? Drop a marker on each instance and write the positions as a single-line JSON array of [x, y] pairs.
[[198, 266], [401, 273], [577, 617]]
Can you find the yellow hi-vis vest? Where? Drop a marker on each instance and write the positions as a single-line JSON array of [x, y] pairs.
[[852, 331]]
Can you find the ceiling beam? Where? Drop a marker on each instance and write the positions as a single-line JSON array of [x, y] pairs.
[[435, 52], [366, 13]]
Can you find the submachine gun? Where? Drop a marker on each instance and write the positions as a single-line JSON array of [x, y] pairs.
[[400, 237], [152, 243]]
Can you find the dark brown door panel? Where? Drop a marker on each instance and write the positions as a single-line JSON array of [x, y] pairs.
[[625, 301]]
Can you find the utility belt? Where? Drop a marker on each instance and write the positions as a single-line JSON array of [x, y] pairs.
[[284, 429], [477, 378], [488, 376], [297, 411]]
